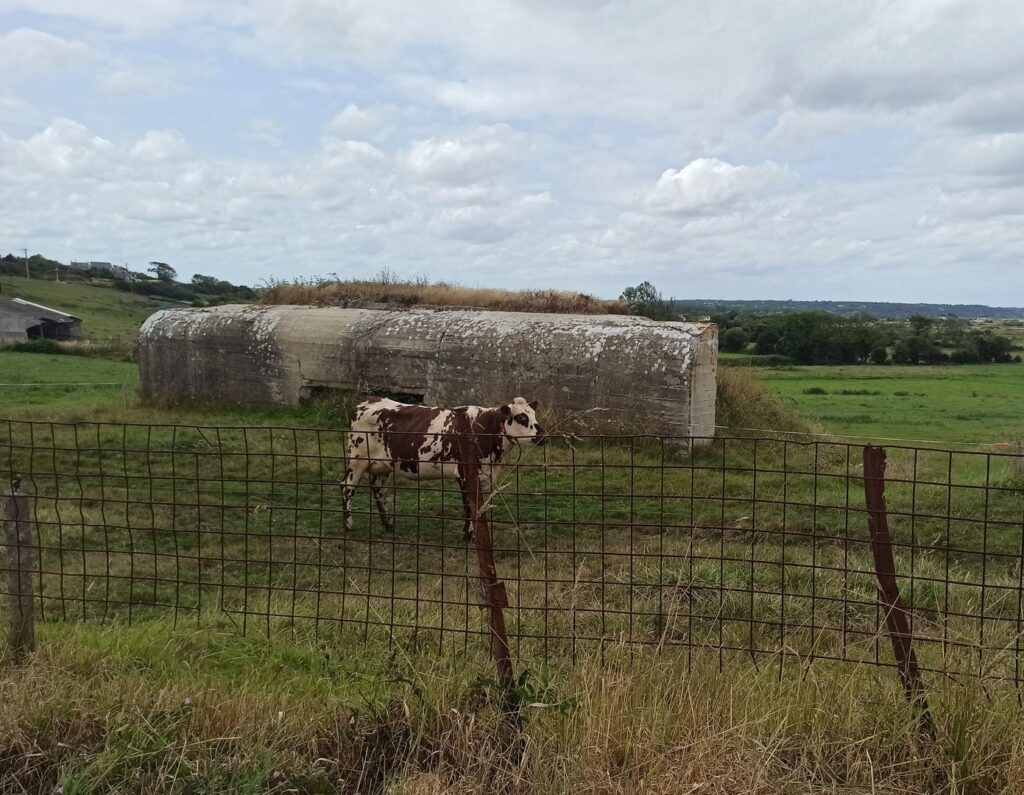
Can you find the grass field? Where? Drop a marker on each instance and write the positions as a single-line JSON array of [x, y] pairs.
[[106, 313], [175, 708], [81, 386], [952, 403]]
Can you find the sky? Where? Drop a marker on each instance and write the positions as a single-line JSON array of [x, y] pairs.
[[741, 149]]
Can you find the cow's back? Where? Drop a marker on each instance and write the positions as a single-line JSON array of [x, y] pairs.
[[407, 435]]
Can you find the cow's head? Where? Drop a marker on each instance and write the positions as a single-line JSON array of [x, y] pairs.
[[520, 422]]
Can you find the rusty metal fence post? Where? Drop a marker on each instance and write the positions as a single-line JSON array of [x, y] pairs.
[[19, 559], [897, 617], [491, 591]]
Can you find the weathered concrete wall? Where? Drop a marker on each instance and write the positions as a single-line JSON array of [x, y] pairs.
[[658, 377]]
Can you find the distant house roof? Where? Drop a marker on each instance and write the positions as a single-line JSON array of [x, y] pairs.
[[19, 307]]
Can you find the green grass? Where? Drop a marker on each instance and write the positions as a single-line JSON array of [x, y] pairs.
[[145, 519], [106, 313], [962, 403], [82, 385]]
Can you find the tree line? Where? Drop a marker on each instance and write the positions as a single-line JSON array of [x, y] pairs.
[[818, 337], [821, 338]]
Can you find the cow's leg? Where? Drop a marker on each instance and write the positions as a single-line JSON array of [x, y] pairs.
[[354, 472], [377, 483]]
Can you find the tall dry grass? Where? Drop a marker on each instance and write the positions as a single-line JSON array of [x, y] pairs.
[[386, 288], [744, 406], [153, 709]]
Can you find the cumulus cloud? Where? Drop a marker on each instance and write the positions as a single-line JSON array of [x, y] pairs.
[[488, 223], [708, 184], [358, 123], [481, 153], [160, 145], [884, 136], [65, 148]]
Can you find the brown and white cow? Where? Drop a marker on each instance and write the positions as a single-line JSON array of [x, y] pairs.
[[428, 442]]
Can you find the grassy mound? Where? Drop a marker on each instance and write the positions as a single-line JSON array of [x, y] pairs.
[[388, 289]]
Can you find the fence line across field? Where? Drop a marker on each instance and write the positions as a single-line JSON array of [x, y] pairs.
[[71, 383], [750, 547]]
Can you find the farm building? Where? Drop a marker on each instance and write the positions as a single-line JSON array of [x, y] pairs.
[[22, 320], [636, 372]]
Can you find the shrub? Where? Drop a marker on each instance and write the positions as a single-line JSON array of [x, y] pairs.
[[39, 346]]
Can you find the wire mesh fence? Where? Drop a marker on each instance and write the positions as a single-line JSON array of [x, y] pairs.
[[736, 547]]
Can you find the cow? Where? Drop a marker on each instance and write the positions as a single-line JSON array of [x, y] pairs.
[[428, 442]]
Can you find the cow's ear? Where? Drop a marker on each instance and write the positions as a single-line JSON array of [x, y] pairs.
[[505, 410], [534, 404]]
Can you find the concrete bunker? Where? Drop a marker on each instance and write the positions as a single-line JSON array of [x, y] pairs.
[[640, 375]]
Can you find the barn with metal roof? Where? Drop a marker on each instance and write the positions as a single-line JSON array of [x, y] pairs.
[[22, 320]]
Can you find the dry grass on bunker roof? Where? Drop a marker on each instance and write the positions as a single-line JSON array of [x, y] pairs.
[[386, 288]]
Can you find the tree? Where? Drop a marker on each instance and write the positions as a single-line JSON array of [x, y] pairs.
[[734, 340], [644, 299], [163, 271], [879, 356], [767, 342], [916, 350], [921, 324]]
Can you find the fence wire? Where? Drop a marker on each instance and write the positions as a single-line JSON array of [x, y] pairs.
[[748, 547]]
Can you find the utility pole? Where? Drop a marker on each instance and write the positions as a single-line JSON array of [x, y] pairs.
[[27, 275]]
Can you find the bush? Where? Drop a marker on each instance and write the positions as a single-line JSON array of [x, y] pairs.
[[38, 346], [916, 350], [816, 390], [879, 356]]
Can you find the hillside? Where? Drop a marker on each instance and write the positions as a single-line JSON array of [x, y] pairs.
[[877, 308], [106, 313]]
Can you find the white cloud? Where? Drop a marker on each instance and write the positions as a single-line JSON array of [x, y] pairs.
[[477, 223], [160, 145], [357, 123], [710, 184], [479, 154], [26, 50], [141, 15], [65, 148], [403, 132]]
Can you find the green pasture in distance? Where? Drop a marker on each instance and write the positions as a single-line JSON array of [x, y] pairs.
[[943, 403]]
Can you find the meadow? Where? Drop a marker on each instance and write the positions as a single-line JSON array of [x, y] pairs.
[[184, 701], [970, 404]]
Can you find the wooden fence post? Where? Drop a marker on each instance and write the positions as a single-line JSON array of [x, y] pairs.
[[1018, 460], [897, 617], [19, 560]]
